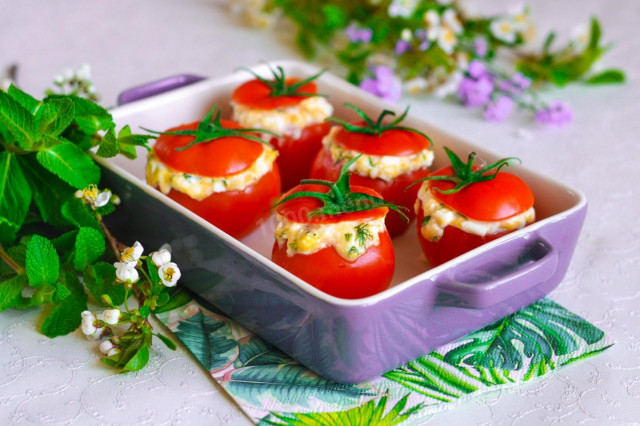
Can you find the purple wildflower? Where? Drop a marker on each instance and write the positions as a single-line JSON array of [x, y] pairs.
[[424, 45], [477, 70], [421, 34], [384, 85], [481, 46], [499, 109], [475, 92], [521, 81], [557, 114], [357, 35], [402, 46]]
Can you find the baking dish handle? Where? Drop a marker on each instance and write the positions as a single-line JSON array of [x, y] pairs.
[[156, 87], [498, 274]]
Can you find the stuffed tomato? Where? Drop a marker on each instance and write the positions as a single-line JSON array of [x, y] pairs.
[[462, 206], [333, 236], [390, 158], [293, 110], [221, 172]]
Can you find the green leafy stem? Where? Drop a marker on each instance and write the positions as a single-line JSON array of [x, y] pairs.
[[464, 173], [340, 198], [376, 127], [280, 87], [211, 128]]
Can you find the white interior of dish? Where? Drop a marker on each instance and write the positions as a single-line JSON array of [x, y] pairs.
[[553, 200]]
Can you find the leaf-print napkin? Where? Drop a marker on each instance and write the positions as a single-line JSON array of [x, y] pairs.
[[272, 388]]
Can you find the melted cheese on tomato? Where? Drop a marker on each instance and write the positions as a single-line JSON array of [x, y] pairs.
[[350, 239], [437, 216], [385, 167], [200, 187], [286, 121]]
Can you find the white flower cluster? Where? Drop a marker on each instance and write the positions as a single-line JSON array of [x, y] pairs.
[[78, 81], [126, 271], [443, 29], [95, 198], [506, 28]]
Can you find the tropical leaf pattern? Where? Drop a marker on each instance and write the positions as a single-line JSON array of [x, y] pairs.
[[276, 390], [372, 413]]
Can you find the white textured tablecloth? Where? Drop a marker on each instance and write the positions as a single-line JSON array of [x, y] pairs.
[[61, 381]]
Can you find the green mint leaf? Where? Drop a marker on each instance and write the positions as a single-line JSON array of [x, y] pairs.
[[89, 116], [139, 360], [18, 121], [19, 252], [10, 291], [15, 197], [60, 293], [168, 342], [153, 272], [30, 103], [109, 145], [127, 142], [79, 214], [51, 190], [607, 77], [179, 297], [145, 311], [596, 33], [42, 262], [90, 245], [65, 243], [100, 280], [54, 116], [70, 164], [64, 316]]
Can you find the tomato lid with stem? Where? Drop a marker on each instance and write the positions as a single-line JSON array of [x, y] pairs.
[[379, 138], [279, 92], [320, 201], [212, 147]]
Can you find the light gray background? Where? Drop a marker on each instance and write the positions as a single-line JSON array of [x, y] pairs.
[[126, 43]]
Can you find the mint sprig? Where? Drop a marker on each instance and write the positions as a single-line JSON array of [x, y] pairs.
[[210, 129], [279, 86], [377, 127], [464, 174], [340, 198]]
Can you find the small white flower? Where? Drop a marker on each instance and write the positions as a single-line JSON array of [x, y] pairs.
[[113, 351], [450, 86], [67, 74], [132, 254], [406, 34], [88, 325], [519, 16], [111, 316], [92, 89], [415, 85], [402, 8], [83, 72], [503, 29], [432, 19], [106, 346], [87, 314], [103, 198], [161, 257], [447, 40], [580, 37], [126, 272], [450, 19], [169, 274], [58, 79]]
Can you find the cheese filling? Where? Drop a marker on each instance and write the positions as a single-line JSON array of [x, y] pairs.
[[200, 187], [350, 239], [385, 167], [287, 121], [437, 216]]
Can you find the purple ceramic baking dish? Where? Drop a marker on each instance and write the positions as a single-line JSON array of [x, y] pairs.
[[345, 340]]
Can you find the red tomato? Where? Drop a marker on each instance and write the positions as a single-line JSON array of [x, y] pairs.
[[296, 154], [326, 270], [235, 212], [391, 142], [489, 201]]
